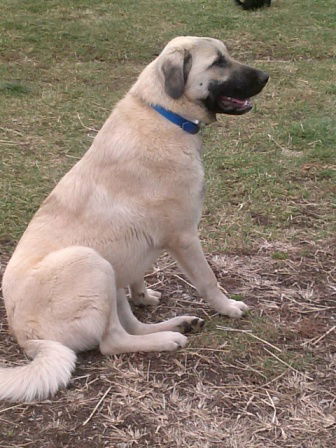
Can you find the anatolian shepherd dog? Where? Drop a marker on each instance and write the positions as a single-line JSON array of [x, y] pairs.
[[137, 190]]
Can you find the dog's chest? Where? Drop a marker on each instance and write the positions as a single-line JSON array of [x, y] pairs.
[[191, 193]]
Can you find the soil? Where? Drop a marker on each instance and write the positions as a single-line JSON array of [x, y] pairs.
[[227, 388]]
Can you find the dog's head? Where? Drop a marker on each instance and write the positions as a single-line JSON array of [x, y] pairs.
[[200, 70]]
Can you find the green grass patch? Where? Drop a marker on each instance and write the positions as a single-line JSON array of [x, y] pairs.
[[279, 255], [13, 87], [255, 344], [65, 65]]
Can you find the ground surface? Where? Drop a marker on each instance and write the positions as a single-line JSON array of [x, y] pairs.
[[267, 380]]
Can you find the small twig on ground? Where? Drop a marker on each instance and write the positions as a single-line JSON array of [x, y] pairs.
[[274, 141], [272, 381], [10, 142], [274, 418], [160, 269], [194, 350], [86, 127], [184, 281], [97, 406], [247, 367], [222, 289], [319, 338], [317, 310], [11, 407]]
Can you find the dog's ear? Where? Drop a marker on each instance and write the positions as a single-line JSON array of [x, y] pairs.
[[175, 69]]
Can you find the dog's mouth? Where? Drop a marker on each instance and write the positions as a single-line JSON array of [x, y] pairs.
[[234, 106], [232, 96]]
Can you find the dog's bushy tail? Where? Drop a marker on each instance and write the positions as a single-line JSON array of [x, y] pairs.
[[49, 370]]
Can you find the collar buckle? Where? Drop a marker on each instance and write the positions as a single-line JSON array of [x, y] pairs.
[[190, 127]]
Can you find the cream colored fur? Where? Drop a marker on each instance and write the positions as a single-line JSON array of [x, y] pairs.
[[137, 191]]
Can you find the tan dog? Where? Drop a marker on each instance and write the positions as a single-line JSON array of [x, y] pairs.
[[137, 191]]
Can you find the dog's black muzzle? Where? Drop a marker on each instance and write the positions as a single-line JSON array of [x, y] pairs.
[[232, 96]]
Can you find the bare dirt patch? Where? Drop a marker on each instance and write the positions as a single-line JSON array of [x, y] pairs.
[[265, 381]]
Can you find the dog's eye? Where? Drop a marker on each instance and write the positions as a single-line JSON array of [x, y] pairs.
[[219, 62]]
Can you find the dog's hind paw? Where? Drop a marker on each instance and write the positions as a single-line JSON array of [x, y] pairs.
[[187, 324], [152, 297], [149, 297]]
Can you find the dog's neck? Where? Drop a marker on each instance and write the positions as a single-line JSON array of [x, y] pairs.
[[192, 127]]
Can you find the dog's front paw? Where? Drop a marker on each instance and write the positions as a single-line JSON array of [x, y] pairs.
[[232, 308]]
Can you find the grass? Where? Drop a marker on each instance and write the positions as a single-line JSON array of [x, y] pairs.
[[58, 58], [269, 219]]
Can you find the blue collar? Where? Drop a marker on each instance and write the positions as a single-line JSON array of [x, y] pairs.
[[186, 125]]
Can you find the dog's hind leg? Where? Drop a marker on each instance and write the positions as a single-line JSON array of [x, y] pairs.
[[74, 299], [67, 299], [124, 333], [117, 340], [89, 309], [141, 295], [132, 325]]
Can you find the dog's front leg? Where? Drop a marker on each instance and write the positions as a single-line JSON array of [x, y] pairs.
[[187, 251]]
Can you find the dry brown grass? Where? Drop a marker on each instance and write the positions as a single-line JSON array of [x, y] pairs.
[[265, 381]]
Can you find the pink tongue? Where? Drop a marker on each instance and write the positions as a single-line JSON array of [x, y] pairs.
[[235, 101]]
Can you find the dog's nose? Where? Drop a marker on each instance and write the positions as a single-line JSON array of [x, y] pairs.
[[263, 78]]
